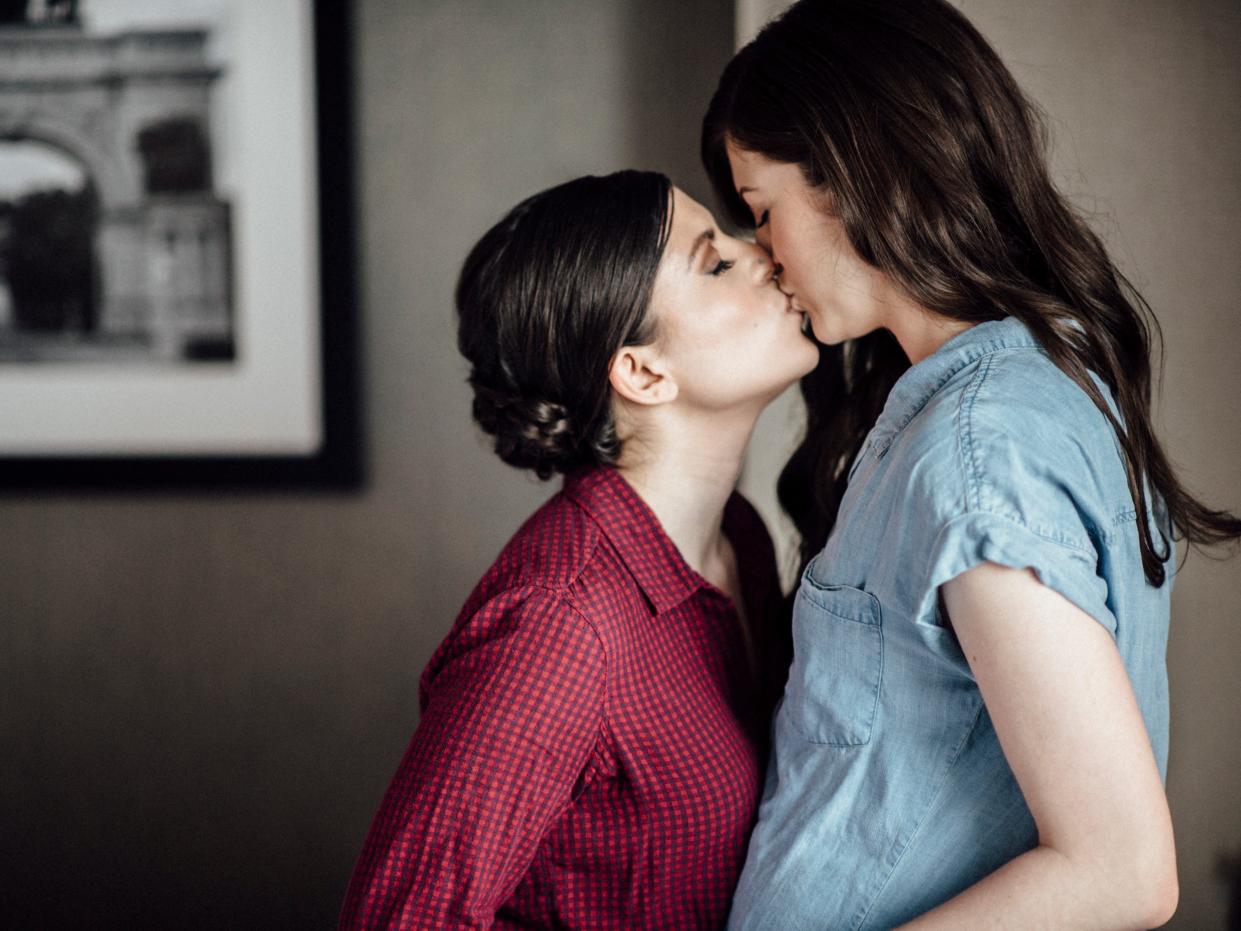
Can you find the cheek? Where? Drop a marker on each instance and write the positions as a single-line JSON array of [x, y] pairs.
[[825, 266], [782, 244], [801, 261], [799, 240], [726, 328], [696, 334]]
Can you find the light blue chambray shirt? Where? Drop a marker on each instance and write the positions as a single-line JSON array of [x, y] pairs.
[[887, 791]]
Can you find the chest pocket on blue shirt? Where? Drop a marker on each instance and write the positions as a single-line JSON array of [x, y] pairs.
[[833, 687]]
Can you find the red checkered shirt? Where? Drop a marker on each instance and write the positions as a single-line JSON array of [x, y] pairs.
[[592, 735]]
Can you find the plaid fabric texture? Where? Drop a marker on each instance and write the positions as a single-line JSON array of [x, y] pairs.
[[591, 743]]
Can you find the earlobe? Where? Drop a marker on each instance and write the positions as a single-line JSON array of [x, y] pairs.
[[639, 376]]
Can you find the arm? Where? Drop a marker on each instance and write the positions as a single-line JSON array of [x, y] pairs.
[[512, 716], [1063, 708]]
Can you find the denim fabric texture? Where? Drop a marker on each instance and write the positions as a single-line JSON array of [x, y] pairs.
[[887, 792]]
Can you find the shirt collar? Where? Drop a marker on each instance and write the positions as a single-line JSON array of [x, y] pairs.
[[923, 381], [646, 550]]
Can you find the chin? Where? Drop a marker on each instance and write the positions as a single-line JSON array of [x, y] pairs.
[[824, 331], [812, 357], [828, 336], [835, 332]]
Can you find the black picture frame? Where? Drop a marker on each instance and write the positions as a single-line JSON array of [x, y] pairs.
[[338, 463]]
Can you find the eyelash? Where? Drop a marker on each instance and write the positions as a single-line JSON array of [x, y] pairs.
[[723, 266], [762, 221]]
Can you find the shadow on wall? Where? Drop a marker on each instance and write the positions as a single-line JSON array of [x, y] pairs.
[[667, 45], [1230, 872]]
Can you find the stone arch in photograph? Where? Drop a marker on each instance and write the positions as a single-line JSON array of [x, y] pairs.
[[49, 214], [133, 109]]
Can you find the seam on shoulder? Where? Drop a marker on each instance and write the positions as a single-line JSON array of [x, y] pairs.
[[606, 714], [975, 478], [603, 648], [589, 767], [588, 554], [563, 596], [598, 534], [882, 441], [965, 435]]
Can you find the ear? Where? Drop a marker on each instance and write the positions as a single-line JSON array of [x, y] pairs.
[[638, 375]]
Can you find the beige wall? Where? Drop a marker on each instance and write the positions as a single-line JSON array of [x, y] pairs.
[[1144, 100], [202, 697]]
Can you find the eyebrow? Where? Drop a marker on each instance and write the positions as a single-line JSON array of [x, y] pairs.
[[704, 236]]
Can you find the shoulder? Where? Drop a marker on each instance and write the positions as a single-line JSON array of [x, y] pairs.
[[1022, 394], [522, 628], [1038, 450], [549, 551], [1014, 436], [530, 582], [562, 558], [1010, 390]]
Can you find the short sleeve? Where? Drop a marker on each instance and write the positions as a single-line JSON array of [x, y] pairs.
[[975, 538], [513, 709], [1040, 474]]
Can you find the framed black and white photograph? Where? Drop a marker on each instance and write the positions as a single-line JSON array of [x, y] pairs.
[[175, 243]]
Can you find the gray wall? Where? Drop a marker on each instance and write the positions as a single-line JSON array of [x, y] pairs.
[[203, 697]]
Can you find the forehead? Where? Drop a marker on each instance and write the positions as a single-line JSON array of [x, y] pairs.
[[689, 219], [755, 170]]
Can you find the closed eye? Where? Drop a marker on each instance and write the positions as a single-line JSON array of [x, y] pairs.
[[762, 221], [722, 266]]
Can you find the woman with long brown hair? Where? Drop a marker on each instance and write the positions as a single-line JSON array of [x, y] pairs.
[[974, 730]]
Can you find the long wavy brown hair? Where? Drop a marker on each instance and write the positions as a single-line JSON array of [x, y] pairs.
[[936, 165]]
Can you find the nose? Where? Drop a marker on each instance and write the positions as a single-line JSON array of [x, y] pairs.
[[766, 269], [784, 289], [762, 239], [762, 236]]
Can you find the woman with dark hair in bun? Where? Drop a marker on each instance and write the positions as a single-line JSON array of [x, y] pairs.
[[591, 745]]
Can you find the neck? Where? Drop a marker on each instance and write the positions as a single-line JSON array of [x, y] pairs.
[[685, 468], [921, 333]]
